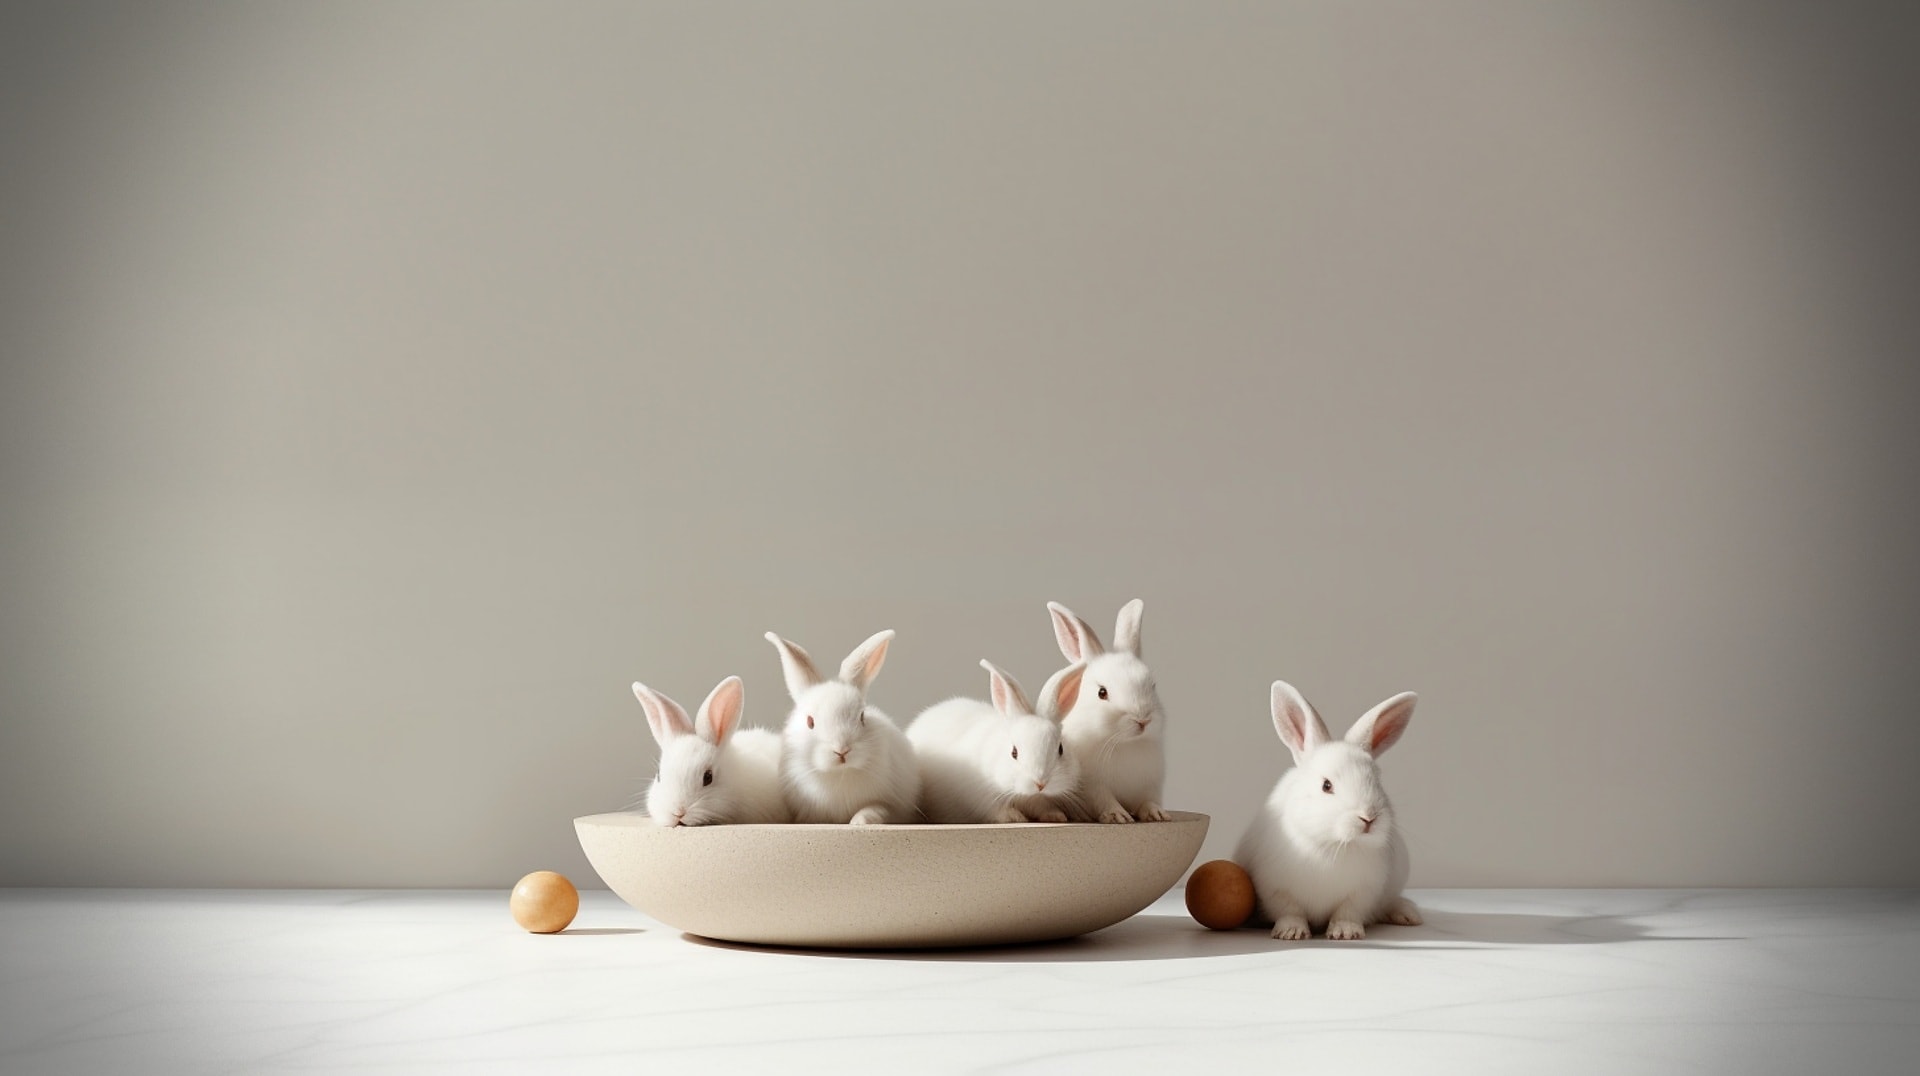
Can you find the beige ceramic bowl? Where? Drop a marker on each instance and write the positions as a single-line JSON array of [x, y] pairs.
[[889, 887]]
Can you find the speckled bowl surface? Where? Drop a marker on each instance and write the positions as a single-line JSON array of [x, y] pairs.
[[890, 887]]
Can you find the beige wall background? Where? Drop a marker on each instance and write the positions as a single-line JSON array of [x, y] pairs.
[[386, 386]]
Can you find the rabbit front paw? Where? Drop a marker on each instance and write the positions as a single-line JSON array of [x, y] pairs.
[[1292, 928]]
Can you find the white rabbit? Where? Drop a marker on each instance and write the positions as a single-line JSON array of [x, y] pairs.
[[1325, 851], [710, 772], [1116, 728], [842, 760], [1002, 762]]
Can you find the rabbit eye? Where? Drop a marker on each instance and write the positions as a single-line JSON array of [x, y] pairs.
[[1016, 752], [706, 778], [809, 720], [1061, 751], [1103, 692], [1326, 786]]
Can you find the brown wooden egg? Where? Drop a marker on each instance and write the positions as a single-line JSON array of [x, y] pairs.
[[544, 902], [1220, 895]]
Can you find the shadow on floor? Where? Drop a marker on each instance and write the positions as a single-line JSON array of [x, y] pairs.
[[1497, 930], [1176, 937], [1513, 929]]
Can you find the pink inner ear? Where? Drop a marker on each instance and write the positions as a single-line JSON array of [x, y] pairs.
[[864, 663], [1000, 692], [1299, 727], [723, 709], [1069, 640], [1387, 730], [1292, 732], [664, 715], [1069, 691]]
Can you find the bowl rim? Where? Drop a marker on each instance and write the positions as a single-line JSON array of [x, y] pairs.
[[641, 820]]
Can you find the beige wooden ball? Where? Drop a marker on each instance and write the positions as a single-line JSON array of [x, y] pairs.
[[544, 902]]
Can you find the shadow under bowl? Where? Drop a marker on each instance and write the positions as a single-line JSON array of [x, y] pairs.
[[890, 887]]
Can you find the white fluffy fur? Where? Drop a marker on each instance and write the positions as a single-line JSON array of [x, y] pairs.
[[842, 760], [1001, 761], [1119, 739], [1332, 861], [711, 774]]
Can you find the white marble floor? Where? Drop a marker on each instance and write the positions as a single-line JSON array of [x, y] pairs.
[[103, 981]]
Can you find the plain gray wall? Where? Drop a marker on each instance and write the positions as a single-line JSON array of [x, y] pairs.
[[387, 386]]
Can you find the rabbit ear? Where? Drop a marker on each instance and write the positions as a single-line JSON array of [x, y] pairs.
[[864, 663], [664, 716], [1007, 696], [721, 712], [1075, 636], [798, 667], [1381, 727], [1061, 691], [1294, 718], [1126, 629]]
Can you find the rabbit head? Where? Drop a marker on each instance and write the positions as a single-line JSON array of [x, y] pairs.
[[1118, 699], [1335, 796], [1031, 760], [828, 727], [691, 788]]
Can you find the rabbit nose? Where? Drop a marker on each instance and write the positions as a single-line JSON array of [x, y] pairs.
[[842, 755], [1143, 722], [1040, 786], [1366, 824]]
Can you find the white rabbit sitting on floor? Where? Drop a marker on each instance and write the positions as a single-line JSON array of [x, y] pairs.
[[1325, 851]]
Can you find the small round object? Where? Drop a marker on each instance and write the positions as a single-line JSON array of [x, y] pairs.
[[544, 902], [1220, 895]]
